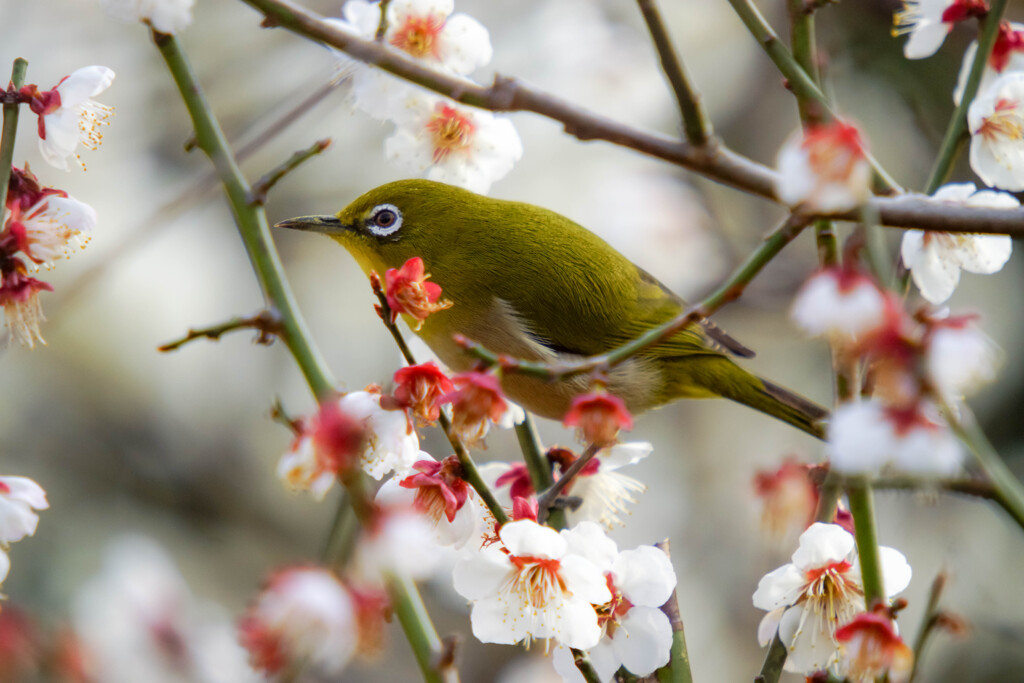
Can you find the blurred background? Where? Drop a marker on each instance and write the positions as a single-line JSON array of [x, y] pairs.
[[140, 450]]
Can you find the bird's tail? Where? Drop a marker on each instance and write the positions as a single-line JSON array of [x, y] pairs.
[[721, 377]]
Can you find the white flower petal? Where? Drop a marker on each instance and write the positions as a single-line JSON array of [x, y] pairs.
[[577, 624], [493, 622], [779, 588], [925, 40], [809, 639], [896, 572], [526, 537], [480, 575], [645, 576], [584, 581], [588, 540], [643, 640], [823, 544]]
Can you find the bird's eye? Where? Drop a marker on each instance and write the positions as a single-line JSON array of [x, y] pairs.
[[385, 220]]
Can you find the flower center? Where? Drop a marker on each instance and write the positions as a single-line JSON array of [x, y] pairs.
[[1005, 123], [419, 36], [431, 503], [451, 132], [831, 593], [611, 613], [834, 151], [537, 580]]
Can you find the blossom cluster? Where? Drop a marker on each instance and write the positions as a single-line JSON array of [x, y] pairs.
[[434, 135], [915, 364], [42, 225]]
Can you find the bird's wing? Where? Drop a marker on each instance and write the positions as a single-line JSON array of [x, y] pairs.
[[657, 304]]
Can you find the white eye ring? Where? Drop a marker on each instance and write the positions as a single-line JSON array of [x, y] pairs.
[[385, 220]]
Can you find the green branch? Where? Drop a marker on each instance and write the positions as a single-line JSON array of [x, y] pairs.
[[251, 220], [10, 130], [862, 507], [255, 233]]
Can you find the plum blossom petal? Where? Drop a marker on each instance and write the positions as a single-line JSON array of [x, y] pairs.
[[996, 121], [824, 169], [19, 498], [841, 304], [78, 119]]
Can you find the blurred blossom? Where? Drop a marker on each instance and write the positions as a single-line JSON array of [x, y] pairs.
[[996, 121], [636, 633], [824, 169], [789, 496], [391, 442], [935, 259], [817, 593], [304, 617], [865, 436], [843, 304], [929, 22], [532, 586], [451, 143], [301, 470], [399, 541], [960, 357], [1007, 57], [140, 622], [325, 447], [68, 116], [872, 649], [20, 497], [476, 404], [21, 645], [165, 16]]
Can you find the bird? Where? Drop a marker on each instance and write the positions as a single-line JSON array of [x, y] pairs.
[[529, 283]]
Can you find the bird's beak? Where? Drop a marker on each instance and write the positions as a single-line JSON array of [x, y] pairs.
[[328, 225]]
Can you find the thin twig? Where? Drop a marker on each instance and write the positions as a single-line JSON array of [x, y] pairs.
[[546, 499], [696, 123], [720, 164], [774, 660], [729, 291], [929, 619], [258, 193], [586, 669], [266, 323]]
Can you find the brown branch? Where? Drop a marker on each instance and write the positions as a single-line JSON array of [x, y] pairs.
[[546, 500], [267, 324], [716, 162]]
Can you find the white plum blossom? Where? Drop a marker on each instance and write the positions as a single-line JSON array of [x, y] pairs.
[[400, 542], [820, 591], [636, 633], [139, 621], [77, 118], [824, 169], [865, 436], [1007, 57], [842, 304], [606, 493], [165, 16], [996, 121], [455, 44], [935, 259], [928, 22], [960, 358], [532, 587], [20, 497], [301, 470], [452, 143], [52, 225], [304, 615], [392, 444]]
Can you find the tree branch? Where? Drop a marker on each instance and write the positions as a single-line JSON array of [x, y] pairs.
[[266, 323], [720, 164]]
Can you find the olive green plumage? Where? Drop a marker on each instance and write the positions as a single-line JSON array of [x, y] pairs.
[[531, 283]]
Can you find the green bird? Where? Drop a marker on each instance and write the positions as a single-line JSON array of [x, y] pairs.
[[530, 283]]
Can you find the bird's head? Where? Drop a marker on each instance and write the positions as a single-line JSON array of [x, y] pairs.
[[394, 222]]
